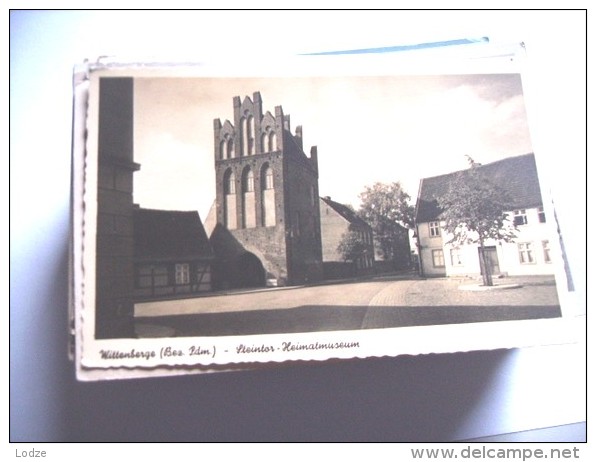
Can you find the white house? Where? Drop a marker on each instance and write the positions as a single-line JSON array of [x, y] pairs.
[[529, 254]]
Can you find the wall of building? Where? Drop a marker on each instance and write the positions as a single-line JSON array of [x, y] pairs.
[[426, 245], [333, 227], [261, 234], [158, 280], [303, 222], [534, 233], [115, 234], [535, 260], [269, 245]]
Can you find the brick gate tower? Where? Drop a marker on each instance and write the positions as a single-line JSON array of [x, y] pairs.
[[267, 200]]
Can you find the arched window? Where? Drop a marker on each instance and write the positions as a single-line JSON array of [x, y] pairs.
[[251, 134], [272, 142], [248, 181], [265, 142], [230, 149], [267, 177], [229, 183], [247, 134], [244, 137], [267, 196], [222, 150], [248, 199], [229, 200]]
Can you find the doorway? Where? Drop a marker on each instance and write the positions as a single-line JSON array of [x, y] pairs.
[[249, 271], [492, 260]]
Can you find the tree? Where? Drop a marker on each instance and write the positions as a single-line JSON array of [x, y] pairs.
[[386, 208], [473, 210], [352, 247]]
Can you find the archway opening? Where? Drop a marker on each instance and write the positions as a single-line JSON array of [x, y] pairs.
[[249, 271]]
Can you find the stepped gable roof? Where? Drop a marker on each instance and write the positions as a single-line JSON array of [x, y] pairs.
[[169, 235], [348, 214], [516, 175]]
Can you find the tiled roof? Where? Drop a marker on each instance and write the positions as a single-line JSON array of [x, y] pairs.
[[348, 214], [516, 175], [169, 235]]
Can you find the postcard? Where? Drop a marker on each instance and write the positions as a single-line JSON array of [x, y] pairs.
[[324, 208]]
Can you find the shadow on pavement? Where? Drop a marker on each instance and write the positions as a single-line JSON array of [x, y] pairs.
[[330, 318]]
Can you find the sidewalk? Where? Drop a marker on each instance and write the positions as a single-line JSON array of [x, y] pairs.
[[372, 303]]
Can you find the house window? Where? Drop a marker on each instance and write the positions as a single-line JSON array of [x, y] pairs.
[[546, 251], [541, 215], [152, 276], [434, 229], [182, 273], [438, 258], [526, 253], [520, 217], [456, 259]]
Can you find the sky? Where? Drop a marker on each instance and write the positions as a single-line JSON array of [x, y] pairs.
[[367, 129]]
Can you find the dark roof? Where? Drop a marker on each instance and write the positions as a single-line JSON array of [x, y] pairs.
[[169, 235], [347, 213], [516, 175]]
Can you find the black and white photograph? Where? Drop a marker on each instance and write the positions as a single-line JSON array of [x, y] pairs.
[[310, 217], [298, 225]]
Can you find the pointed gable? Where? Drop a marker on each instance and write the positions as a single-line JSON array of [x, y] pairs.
[[345, 212]]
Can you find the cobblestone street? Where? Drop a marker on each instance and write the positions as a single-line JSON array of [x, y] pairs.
[[375, 303]]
